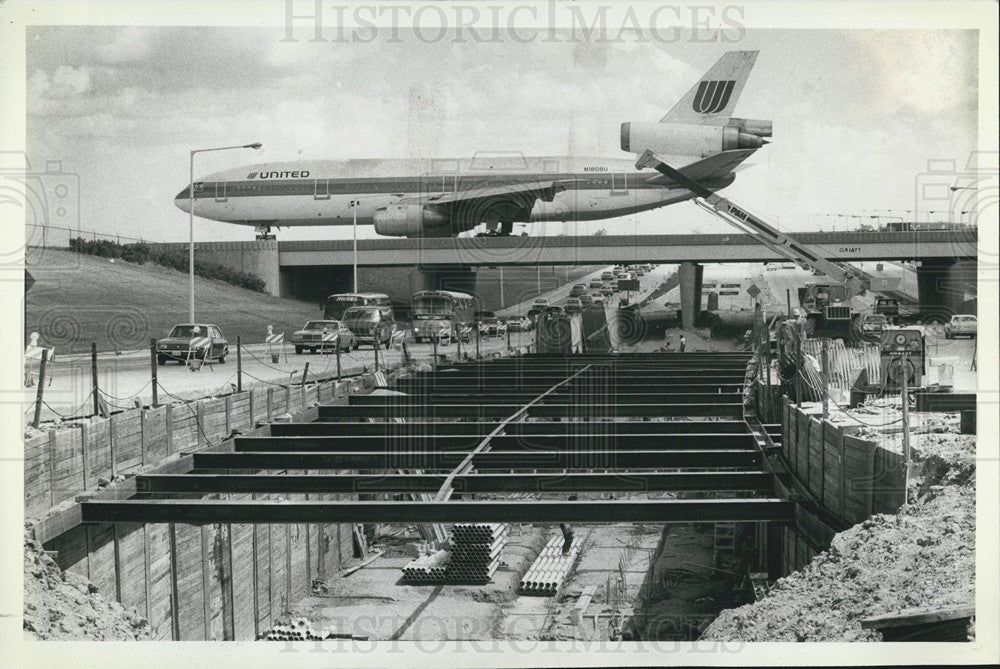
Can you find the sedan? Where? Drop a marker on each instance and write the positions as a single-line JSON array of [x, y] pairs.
[[192, 342], [324, 335]]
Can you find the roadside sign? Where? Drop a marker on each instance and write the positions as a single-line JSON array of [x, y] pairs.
[[628, 284], [753, 291]]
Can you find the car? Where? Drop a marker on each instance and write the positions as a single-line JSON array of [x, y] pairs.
[[585, 299], [492, 326], [639, 271], [621, 274], [323, 335], [520, 324], [607, 290], [598, 300], [538, 306], [577, 290], [873, 324], [614, 286], [198, 341], [596, 284], [607, 276], [573, 305], [961, 325], [371, 324], [554, 310]]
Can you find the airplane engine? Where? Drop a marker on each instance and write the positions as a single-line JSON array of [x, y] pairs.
[[685, 139], [752, 125], [406, 220]]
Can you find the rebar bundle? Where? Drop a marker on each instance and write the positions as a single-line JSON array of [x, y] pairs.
[[549, 569]]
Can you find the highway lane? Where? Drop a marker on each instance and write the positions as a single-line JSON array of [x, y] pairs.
[[126, 379]]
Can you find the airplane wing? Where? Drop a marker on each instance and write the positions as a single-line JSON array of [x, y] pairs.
[[717, 166], [544, 190]]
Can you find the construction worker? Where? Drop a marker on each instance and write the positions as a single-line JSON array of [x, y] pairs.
[[567, 533]]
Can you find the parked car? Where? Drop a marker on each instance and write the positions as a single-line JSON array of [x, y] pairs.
[[961, 325], [573, 305], [873, 324], [323, 335], [577, 290], [369, 324], [520, 324], [198, 341]]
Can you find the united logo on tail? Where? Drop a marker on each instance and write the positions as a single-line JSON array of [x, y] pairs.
[[712, 96]]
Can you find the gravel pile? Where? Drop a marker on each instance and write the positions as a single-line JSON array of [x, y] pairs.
[[921, 558], [66, 606]]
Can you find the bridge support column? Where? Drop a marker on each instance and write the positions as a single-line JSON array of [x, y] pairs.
[[690, 282], [941, 287]]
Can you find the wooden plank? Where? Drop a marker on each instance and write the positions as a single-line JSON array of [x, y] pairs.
[[154, 434], [243, 582], [37, 481], [126, 438], [101, 549], [159, 580], [131, 566], [190, 587]]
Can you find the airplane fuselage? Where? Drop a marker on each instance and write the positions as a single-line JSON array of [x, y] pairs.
[[329, 192]]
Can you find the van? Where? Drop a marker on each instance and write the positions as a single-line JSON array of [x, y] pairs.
[[371, 324]]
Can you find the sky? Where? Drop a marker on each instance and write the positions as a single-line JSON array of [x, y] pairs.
[[857, 114]]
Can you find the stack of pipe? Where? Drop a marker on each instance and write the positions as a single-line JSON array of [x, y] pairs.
[[297, 630], [427, 568], [475, 553], [547, 572]]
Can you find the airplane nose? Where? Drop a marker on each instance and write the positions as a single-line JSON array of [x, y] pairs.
[[183, 200]]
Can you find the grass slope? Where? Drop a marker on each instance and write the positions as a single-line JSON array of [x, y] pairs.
[[78, 299]]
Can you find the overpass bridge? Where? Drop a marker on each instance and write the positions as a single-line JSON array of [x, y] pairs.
[[946, 257]]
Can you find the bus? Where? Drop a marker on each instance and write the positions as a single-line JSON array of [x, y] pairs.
[[442, 314], [337, 304]]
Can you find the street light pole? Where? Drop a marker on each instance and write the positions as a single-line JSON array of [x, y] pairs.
[[255, 146], [354, 207]]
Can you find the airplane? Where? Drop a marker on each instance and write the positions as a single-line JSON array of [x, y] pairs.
[[444, 197]]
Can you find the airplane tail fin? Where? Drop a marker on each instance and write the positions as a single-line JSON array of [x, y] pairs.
[[711, 100]]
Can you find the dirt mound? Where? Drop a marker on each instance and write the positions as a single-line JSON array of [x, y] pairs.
[[66, 606], [921, 558]]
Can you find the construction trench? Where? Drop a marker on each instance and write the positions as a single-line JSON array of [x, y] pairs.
[[543, 496], [645, 459]]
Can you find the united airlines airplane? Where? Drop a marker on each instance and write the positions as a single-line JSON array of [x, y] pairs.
[[443, 197]]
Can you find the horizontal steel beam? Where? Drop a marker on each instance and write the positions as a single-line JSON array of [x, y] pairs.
[[469, 483], [512, 460], [503, 396], [489, 511], [431, 411], [579, 442], [431, 429]]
